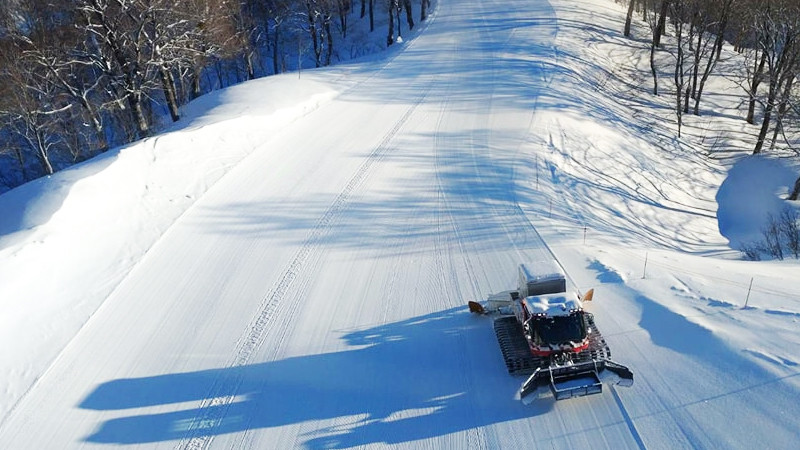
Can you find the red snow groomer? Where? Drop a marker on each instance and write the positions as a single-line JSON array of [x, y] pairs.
[[544, 332]]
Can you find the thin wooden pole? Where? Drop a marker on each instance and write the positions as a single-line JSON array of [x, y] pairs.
[[748, 293], [644, 271]]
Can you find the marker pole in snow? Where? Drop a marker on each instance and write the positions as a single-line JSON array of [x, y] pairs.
[[644, 271], [747, 299]]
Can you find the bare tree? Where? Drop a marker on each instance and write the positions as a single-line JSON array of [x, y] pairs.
[[270, 18], [409, 13], [778, 32], [118, 49], [371, 15], [392, 6], [170, 37], [657, 24], [319, 14], [790, 229], [661, 22], [678, 10], [215, 39], [719, 26], [423, 9], [77, 77], [342, 10], [39, 93], [9, 141], [31, 114], [755, 78]]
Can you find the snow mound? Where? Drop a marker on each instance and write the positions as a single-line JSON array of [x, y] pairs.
[[754, 188]]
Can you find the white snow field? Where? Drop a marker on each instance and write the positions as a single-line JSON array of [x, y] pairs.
[[289, 266]]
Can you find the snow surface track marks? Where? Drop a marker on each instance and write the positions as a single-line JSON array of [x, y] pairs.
[[214, 405]]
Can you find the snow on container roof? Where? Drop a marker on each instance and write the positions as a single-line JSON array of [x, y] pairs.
[[542, 270], [553, 304]]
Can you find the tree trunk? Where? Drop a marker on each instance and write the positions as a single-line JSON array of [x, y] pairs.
[[698, 56], [275, 51], [756, 81], [679, 78], [782, 105], [409, 14], [653, 68], [98, 126], [21, 160], [41, 149], [423, 10], [723, 26], [312, 31], [662, 23], [762, 135], [343, 10], [686, 98], [168, 84], [196, 89], [712, 62], [326, 25], [628, 18], [218, 68], [96, 123], [249, 65], [796, 191], [135, 102], [371, 16], [657, 32], [390, 35]]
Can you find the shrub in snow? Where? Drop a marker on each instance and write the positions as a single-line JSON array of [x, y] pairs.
[[752, 251], [772, 237], [790, 230], [780, 237]]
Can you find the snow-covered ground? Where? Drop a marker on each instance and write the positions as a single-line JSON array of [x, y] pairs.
[[289, 266]]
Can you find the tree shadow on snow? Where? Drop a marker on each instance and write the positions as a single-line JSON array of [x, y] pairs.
[[428, 376], [473, 189]]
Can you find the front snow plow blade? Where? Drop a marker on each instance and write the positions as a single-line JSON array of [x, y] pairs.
[[574, 380], [624, 376], [564, 381]]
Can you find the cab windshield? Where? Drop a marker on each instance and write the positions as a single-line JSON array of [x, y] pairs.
[[558, 329]]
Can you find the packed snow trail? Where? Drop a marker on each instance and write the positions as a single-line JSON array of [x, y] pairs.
[[315, 296]]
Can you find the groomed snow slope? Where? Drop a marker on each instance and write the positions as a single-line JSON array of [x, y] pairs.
[[306, 286]]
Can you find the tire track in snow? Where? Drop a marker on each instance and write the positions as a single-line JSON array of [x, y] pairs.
[[476, 438], [508, 224], [344, 425], [518, 226], [483, 437], [214, 406]]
